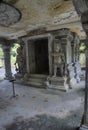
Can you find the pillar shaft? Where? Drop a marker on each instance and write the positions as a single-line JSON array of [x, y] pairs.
[[7, 61], [72, 46], [86, 90]]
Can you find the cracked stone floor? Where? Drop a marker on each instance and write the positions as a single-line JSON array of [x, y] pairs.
[[40, 109]]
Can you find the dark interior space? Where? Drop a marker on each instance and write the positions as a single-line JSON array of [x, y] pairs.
[[41, 56]]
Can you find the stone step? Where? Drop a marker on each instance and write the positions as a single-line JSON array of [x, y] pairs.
[[30, 83], [56, 79], [38, 80], [36, 84], [38, 76]]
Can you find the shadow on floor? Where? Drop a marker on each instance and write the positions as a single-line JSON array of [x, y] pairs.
[[41, 122]]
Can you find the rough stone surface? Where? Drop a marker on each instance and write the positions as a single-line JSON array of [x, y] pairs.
[[8, 15], [40, 109], [41, 122], [49, 14]]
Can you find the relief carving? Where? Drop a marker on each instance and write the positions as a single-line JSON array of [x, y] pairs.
[[59, 60]]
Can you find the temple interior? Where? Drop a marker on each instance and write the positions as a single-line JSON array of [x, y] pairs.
[[44, 65]]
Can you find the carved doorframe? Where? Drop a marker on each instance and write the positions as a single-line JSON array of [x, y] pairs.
[[50, 43]]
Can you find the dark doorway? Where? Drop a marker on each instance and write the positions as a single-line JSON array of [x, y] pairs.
[[41, 56]]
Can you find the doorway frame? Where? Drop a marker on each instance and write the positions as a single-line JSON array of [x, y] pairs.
[[50, 38]]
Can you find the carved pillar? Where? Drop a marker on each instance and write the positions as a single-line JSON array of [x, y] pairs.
[[27, 57], [7, 61], [86, 88], [64, 44], [50, 44], [69, 55], [72, 48]]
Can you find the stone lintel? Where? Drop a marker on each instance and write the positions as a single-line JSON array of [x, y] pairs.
[[35, 37]]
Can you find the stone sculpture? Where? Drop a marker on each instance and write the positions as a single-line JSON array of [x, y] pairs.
[[59, 60]]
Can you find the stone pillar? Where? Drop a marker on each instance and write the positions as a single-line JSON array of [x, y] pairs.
[[72, 48], [64, 44], [86, 89], [68, 44], [27, 57], [7, 61], [50, 49]]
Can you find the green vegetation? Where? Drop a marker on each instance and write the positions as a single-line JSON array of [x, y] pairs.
[[82, 48], [1, 53], [1, 57], [14, 53], [82, 59], [82, 54]]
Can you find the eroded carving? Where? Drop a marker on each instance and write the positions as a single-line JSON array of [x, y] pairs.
[[59, 59], [20, 61]]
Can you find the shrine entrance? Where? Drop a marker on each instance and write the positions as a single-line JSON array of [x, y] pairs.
[[41, 56], [38, 56]]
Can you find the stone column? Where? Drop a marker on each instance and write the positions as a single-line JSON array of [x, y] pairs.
[[27, 56], [86, 88], [64, 44], [7, 61], [69, 67], [50, 44], [72, 46]]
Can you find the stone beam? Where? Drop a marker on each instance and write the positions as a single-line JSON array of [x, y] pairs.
[[73, 26]]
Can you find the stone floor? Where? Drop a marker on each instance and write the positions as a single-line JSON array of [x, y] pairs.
[[2, 72], [40, 109]]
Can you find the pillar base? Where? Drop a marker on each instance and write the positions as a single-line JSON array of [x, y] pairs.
[[8, 77]]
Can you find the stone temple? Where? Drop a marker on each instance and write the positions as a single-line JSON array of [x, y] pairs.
[[49, 34]]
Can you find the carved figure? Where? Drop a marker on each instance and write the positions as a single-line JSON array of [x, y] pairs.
[[20, 62], [59, 60]]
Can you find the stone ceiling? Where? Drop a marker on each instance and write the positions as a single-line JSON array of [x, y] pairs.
[[51, 14]]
